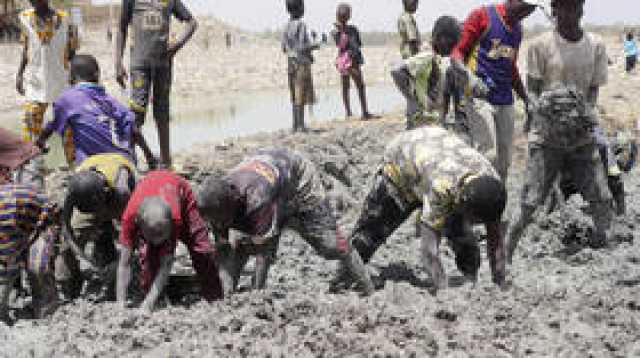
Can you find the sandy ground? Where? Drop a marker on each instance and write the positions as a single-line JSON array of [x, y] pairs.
[[564, 300], [206, 68]]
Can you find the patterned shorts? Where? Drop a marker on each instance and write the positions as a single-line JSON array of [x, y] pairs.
[[33, 122]]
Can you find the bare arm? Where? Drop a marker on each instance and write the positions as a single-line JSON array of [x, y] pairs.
[[534, 89], [192, 26], [592, 96], [21, 68], [41, 142], [430, 245], [496, 252], [518, 87], [122, 191], [414, 47], [124, 275], [166, 262]]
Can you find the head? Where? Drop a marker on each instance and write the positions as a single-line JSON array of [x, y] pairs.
[[40, 5], [295, 8], [218, 202], [84, 68], [410, 6], [343, 13], [89, 191], [630, 36], [155, 220], [484, 198], [568, 13], [445, 35], [518, 10]]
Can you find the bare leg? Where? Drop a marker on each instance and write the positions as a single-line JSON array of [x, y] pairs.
[[163, 137], [44, 294], [346, 84], [6, 285], [141, 142], [356, 74]]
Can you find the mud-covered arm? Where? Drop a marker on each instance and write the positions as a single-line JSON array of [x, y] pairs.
[[496, 252], [159, 283], [124, 275], [67, 232], [126, 244], [534, 90], [430, 244]]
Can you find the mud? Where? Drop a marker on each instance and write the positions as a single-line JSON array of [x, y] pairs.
[[564, 300]]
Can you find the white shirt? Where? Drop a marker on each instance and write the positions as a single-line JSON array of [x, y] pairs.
[[47, 71], [558, 62]]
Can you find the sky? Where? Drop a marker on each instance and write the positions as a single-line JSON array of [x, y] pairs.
[[380, 15]]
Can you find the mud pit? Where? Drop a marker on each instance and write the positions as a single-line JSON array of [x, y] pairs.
[[564, 300]]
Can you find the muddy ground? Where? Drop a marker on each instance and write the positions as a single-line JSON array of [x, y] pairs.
[[564, 301]]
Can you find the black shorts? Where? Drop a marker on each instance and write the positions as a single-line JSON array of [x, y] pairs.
[[143, 82], [631, 63]]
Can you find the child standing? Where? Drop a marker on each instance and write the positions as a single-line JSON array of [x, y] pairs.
[[408, 30], [350, 59], [49, 43], [630, 52], [297, 45]]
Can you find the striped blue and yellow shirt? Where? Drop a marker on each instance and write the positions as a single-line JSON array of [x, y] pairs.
[[22, 209]]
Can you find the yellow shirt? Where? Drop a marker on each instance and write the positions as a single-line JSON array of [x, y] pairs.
[[108, 165]]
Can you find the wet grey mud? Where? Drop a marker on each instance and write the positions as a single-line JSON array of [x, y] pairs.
[[564, 299]]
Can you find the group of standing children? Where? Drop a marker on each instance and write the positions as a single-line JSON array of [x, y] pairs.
[[298, 45]]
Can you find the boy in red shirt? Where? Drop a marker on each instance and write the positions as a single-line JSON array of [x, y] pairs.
[[489, 46], [161, 211]]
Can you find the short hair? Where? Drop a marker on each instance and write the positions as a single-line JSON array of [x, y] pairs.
[[154, 210], [448, 29], [85, 68], [87, 188], [343, 9], [485, 196], [555, 3], [295, 7], [156, 213], [406, 3], [215, 194], [630, 36]]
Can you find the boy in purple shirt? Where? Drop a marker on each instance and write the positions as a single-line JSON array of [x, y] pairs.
[[100, 123]]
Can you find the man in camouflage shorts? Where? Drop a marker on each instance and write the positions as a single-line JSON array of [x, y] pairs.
[[152, 55], [265, 193], [454, 185]]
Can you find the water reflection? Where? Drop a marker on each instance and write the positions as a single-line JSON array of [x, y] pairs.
[[238, 114]]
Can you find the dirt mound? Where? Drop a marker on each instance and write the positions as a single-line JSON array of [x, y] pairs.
[[564, 299]]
